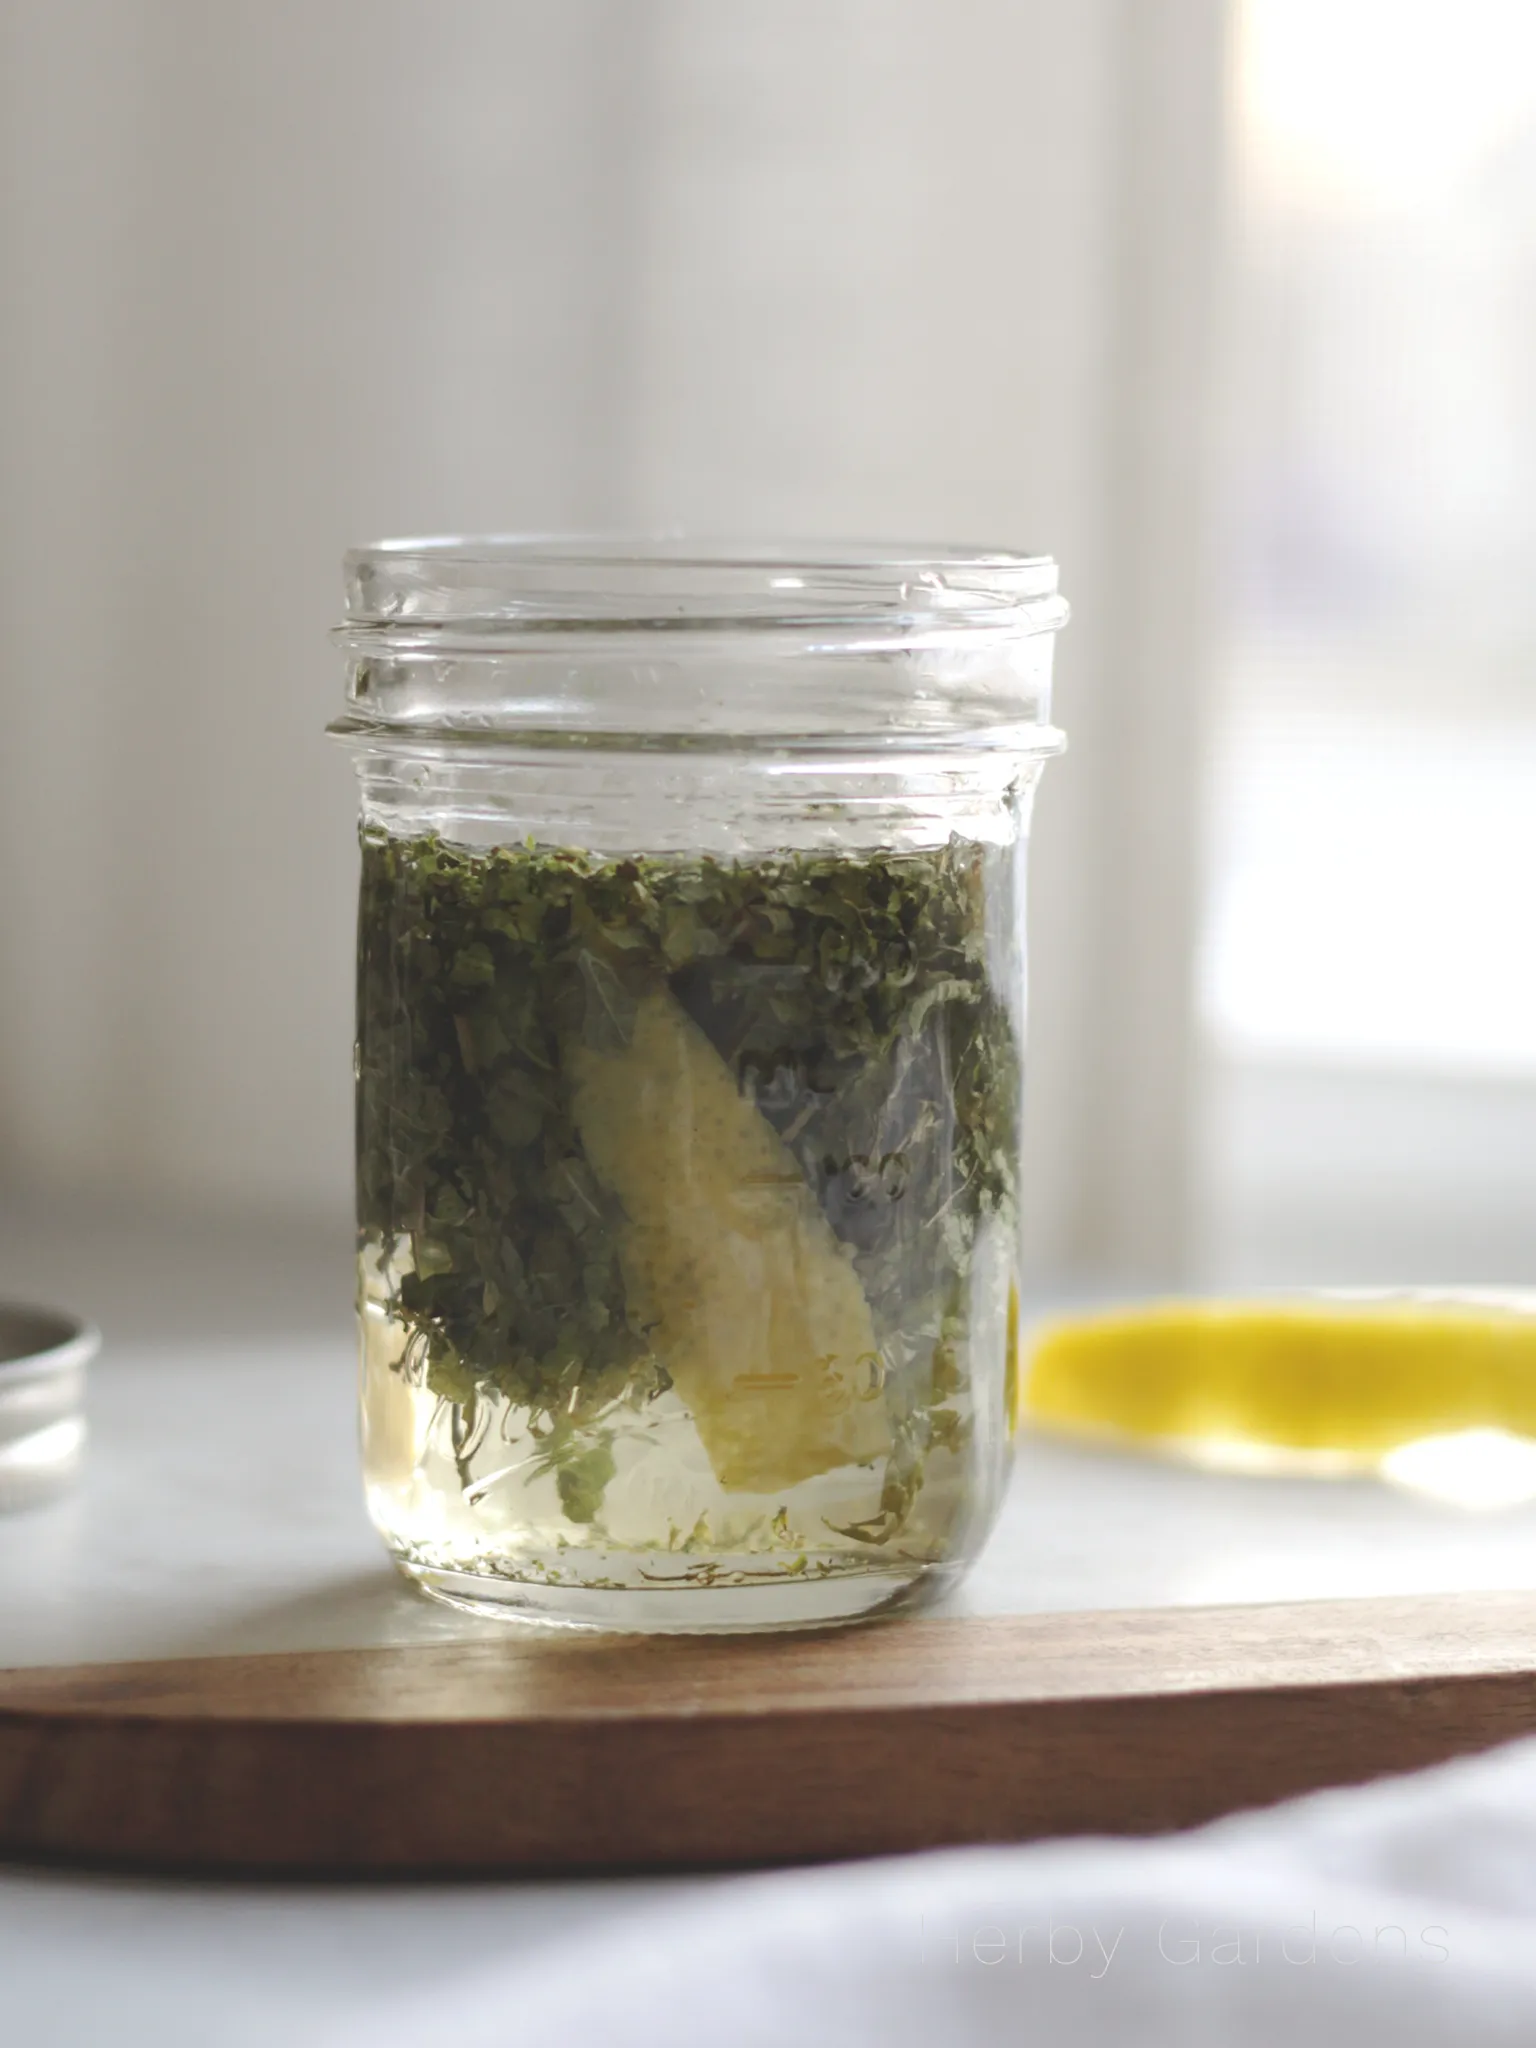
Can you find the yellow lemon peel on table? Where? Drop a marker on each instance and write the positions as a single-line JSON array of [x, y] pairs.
[[1348, 1379], [754, 1307]]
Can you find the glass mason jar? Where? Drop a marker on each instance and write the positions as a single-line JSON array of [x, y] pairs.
[[690, 1014]]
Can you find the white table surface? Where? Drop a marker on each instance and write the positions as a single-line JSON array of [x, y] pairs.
[[220, 1511]]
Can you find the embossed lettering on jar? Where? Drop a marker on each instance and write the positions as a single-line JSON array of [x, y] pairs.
[[689, 1053]]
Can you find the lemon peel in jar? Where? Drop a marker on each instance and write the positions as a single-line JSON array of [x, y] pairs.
[[753, 1306]]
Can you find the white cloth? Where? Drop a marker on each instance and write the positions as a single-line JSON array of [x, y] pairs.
[[1404, 1913]]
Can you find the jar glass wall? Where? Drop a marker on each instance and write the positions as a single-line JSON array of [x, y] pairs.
[[690, 1022]]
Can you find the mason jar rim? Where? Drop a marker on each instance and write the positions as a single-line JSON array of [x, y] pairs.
[[493, 585], [615, 641]]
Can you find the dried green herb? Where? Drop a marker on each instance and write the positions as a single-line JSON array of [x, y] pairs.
[[849, 996]]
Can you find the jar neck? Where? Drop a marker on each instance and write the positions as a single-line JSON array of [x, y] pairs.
[[628, 696], [729, 804]]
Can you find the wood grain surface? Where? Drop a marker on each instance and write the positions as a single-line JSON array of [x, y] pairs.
[[531, 1752]]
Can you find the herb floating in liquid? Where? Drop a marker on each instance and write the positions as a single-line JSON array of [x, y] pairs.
[[847, 996]]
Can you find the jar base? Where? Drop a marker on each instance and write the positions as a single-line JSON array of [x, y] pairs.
[[759, 1608]]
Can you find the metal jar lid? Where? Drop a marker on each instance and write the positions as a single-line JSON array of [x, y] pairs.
[[43, 1357]]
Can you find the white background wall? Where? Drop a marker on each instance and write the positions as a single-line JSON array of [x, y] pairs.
[[281, 275]]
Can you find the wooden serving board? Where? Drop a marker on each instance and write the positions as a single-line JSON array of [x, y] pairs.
[[583, 1753]]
